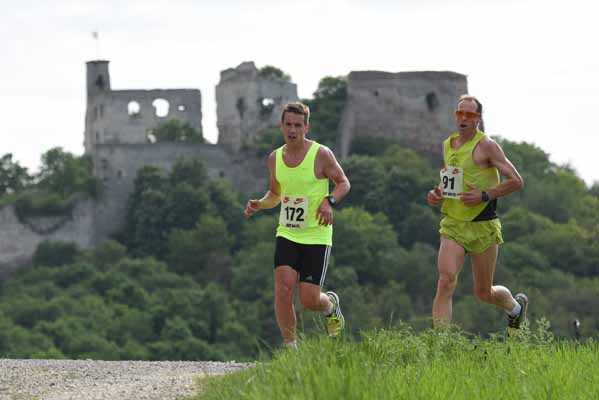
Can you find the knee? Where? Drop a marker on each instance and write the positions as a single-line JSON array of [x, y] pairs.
[[447, 284], [483, 294], [284, 292], [310, 301]]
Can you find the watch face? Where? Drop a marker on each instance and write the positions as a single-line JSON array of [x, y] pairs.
[[331, 200]]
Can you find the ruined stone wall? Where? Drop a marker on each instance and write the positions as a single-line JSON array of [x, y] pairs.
[[19, 240], [416, 108], [120, 164], [126, 116], [247, 104]]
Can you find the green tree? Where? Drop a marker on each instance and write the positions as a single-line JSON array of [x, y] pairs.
[[53, 254], [184, 206], [366, 243], [193, 172], [64, 174], [147, 230], [203, 252], [146, 208], [367, 177], [175, 130], [227, 204], [271, 72], [13, 177], [326, 109]]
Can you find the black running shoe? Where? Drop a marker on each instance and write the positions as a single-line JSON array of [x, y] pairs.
[[515, 322]]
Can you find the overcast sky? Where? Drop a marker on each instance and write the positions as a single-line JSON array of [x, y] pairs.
[[533, 63]]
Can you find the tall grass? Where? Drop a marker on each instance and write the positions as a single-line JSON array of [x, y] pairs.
[[399, 364]]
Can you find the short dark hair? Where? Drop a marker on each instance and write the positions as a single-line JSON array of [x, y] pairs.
[[479, 105], [297, 108]]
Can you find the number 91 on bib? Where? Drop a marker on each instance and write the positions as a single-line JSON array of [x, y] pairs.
[[294, 212], [452, 181]]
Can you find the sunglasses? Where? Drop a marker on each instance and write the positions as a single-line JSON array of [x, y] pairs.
[[467, 114]]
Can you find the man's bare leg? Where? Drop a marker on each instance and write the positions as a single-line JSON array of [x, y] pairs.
[[483, 270], [311, 297], [285, 281], [451, 259]]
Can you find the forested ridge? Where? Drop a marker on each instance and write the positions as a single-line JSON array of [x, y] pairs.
[[188, 278]]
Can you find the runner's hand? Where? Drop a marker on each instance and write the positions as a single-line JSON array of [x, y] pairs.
[[252, 207], [434, 197], [325, 213], [473, 197]]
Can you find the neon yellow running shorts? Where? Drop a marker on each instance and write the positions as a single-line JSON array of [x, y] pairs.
[[474, 237]]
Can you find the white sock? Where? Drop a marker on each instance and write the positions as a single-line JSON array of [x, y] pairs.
[[515, 311], [291, 345], [329, 310]]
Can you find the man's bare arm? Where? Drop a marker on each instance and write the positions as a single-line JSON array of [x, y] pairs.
[[272, 197], [335, 173], [512, 182]]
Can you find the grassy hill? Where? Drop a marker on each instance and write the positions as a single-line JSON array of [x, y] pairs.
[[399, 364]]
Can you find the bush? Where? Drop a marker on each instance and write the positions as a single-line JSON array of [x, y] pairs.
[[54, 254]]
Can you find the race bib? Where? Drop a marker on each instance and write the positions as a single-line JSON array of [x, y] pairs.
[[294, 212], [452, 181]]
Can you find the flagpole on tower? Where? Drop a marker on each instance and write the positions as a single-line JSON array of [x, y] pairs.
[[96, 36]]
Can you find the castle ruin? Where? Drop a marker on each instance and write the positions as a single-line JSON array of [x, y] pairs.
[[414, 108], [248, 103]]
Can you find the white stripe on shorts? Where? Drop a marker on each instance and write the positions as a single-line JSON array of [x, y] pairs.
[[327, 253]]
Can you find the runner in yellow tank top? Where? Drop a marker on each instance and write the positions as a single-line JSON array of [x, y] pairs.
[[468, 192], [299, 181]]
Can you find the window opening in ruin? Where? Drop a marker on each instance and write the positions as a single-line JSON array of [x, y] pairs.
[[161, 106], [133, 108], [104, 166], [432, 102], [100, 82], [181, 108], [266, 105], [376, 93], [101, 111], [119, 174], [97, 137], [95, 113], [240, 106]]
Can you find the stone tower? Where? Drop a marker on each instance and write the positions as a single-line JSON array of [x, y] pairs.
[[98, 77], [416, 108], [127, 116], [247, 104], [118, 126]]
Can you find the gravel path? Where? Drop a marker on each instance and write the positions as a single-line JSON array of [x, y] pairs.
[[100, 380]]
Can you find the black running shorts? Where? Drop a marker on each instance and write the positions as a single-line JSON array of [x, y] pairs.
[[309, 260]]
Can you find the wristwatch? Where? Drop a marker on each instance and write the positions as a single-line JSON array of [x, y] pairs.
[[485, 196], [331, 200]]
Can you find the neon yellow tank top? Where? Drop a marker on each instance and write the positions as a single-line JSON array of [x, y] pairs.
[[482, 178], [301, 194]]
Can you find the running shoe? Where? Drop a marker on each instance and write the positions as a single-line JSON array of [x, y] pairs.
[[515, 322], [335, 321]]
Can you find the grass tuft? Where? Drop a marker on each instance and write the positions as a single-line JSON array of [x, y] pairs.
[[400, 364]]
